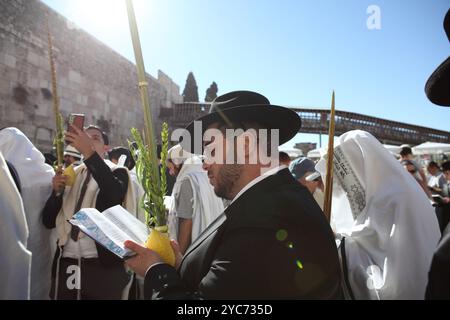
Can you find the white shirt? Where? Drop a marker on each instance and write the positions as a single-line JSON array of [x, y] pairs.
[[260, 178], [83, 248]]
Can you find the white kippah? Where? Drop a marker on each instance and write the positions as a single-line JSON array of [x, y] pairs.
[[71, 151]]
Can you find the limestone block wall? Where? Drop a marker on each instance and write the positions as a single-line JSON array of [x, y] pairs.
[[92, 78]]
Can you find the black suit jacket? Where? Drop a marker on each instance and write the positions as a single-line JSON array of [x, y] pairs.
[[273, 242], [438, 287]]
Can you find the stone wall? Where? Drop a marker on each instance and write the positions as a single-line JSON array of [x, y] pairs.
[[92, 78]]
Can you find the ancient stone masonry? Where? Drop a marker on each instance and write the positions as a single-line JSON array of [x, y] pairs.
[[92, 78]]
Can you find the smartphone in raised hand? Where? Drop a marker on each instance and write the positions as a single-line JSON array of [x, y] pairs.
[[76, 120]]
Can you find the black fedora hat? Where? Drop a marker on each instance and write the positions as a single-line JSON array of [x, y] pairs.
[[240, 106], [437, 87]]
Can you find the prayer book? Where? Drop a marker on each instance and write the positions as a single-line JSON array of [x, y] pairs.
[[111, 228]]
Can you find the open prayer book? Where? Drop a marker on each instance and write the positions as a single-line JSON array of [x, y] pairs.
[[111, 228]]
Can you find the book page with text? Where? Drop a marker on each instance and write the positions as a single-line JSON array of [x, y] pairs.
[[125, 221]]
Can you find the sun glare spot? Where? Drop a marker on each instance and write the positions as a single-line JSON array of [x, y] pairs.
[[105, 15]]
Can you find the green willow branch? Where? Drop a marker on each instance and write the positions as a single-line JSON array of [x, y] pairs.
[[155, 186]]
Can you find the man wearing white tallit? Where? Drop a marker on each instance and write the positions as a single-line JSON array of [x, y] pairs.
[[385, 223], [36, 186], [15, 259], [194, 204]]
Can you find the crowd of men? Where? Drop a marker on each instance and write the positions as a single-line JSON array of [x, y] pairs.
[[225, 217], [242, 229]]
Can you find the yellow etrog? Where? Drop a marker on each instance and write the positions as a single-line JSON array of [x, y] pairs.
[[160, 243], [70, 174]]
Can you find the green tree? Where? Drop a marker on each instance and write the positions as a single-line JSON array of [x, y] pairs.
[[211, 92], [190, 92]]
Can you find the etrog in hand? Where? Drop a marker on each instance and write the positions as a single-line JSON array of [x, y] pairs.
[[70, 174], [160, 243]]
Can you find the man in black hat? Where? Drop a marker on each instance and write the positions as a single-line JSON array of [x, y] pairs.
[[272, 241], [437, 89]]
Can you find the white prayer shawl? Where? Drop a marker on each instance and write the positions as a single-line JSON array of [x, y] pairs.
[[206, 205], [36, 181], [15, 259], [389, 225], [71, 195]]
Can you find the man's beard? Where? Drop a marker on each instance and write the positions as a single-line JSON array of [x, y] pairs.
[[225, 181]]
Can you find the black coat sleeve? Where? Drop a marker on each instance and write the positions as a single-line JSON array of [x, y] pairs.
[[112, 184], [233, 272], [162, 281], [51, 209], [263, 268], [438, 286]]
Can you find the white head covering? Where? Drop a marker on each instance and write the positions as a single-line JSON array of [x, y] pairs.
[[72, 151], [178, 155], [15, 259], [389, 225], [28, 161], [36, 180]]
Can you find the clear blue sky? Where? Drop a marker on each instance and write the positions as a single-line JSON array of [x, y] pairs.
[[294, 52]]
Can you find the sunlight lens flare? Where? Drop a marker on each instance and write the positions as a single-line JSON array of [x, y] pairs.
[[103, 14]]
